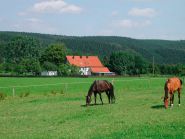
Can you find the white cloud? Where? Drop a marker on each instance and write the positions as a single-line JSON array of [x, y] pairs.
[[55, 6], [146, 12], [127, 23], [34, 25]]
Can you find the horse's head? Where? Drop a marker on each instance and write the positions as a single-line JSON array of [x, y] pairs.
[[165, 102], [88, 100], [166, 94]]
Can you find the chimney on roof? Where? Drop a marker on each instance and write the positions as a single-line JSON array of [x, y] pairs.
[[73, 57], [80, 56], [86, 56]]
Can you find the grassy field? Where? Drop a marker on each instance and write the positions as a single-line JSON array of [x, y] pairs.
[[54, 108]]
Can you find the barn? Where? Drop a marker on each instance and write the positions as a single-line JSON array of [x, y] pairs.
[[89, 65]]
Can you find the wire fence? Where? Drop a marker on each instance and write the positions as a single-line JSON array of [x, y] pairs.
[[76, 86]]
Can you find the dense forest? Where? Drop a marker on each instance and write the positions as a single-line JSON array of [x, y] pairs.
[[20, 48]]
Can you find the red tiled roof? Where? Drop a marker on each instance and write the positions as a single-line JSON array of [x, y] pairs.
[[99, 69], [88, 61], [84, 61]]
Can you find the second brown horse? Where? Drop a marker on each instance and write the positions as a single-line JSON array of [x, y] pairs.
[[172, 85]]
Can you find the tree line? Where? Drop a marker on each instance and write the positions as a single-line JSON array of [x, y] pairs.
[[132, 64], [26, 55], [164, 51]]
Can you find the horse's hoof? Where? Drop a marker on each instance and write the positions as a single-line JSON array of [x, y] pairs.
[[179, 105], [171, 105]]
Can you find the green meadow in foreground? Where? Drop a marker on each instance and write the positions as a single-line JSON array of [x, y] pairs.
[[55, 108]]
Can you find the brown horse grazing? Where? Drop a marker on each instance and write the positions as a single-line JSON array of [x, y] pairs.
[[98, 87], [172, 85]]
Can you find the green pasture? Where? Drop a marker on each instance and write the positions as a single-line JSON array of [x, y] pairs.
[[55, 108]]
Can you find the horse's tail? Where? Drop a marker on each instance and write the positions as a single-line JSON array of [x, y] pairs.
[[181, 81], [112, 94]]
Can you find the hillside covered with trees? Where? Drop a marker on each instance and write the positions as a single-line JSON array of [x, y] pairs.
[[31, 52]]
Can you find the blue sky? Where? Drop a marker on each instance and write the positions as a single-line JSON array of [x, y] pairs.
[[150, 19]]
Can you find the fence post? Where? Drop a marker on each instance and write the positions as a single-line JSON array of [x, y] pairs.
[[13, 92]]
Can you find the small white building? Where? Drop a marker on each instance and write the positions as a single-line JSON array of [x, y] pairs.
[[49, 73]]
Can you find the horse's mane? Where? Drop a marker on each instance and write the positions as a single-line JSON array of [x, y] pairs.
[[91, 87]]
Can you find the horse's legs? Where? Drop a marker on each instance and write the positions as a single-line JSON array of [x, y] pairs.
[[101, 98], [95, 97], [179, 96], [171, 99], [108, 95]]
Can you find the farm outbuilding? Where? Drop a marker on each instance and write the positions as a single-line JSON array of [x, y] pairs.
[[49, 73], [89, 65]]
